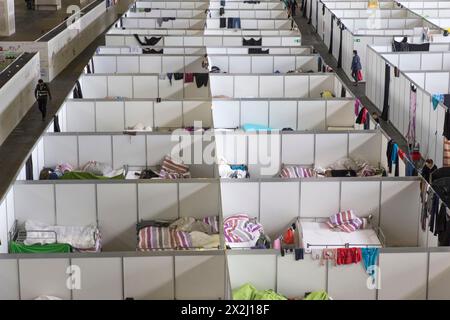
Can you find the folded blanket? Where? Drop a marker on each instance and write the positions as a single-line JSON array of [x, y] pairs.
[[151, 238], [241, 228], [346, 221], [78, 237]]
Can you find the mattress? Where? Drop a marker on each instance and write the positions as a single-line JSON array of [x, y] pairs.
[[320, 235]]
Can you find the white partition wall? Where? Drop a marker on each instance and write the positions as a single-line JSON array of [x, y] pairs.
[[150, 276], [248, 63]]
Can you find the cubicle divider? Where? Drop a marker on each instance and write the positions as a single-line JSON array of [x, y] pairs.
[[302, 114], [86, 115], [368, 13], [115, 276], [212, 13], [261, 5], [282, 23], [400, 274], [152, 86], [301, 86], [248, 63], [429, 122], [296, 50], [417, 61], [139, 150], [115, 207], [225, 38]]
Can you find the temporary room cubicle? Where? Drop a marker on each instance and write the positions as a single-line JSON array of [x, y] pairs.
[[248, 63], [91, 115], [115, 276], [402, 274], [265, 154], [135, 152], [114, 207], [214, 4], [395, 206], [429, 121]]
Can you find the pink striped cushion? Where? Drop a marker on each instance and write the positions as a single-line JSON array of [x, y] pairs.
[[151, 238]]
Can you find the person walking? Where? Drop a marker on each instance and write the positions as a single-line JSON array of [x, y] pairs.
[[356, 67], [42, 94], [293, 7]]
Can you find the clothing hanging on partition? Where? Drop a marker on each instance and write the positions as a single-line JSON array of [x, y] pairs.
[[310, 12], [201, 79], [396, 72], [178, 76], [188, 77], [341, 31], [411, 134], [251, 42], [305, 4], [330, 49], [56, 127], [436, 99], [234, 23], [257, 51], [343, 92], [369, 257], [29, 168], [357, 106], [387, 83], [223, 22], [348, 255]]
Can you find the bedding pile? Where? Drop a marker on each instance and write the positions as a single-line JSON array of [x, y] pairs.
[[183, 233], [172, 168], [90, 170], [43, 238], [241, 231], [249, 292], [345, 167], [230, 171]]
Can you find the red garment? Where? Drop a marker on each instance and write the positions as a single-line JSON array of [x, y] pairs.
[[188, 77], [415, 155], [364, 115], [348, 255], [401, 154]]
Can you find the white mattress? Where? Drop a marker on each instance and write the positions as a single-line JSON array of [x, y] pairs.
[[318, 233]]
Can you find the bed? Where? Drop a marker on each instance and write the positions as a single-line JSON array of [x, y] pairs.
[[315, 233], [35, 237], [186, 233], [92, 170], [346, 167]]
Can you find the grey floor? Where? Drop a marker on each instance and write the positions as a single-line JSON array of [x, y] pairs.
[[18, 145], [32, 24]]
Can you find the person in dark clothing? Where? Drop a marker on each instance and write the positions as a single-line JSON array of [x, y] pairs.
[[42, 94], [293, 6], [428, 168], [376, 118], [356, 66]]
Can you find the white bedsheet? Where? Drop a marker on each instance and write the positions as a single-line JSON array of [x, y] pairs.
[[78, 237], [318, 233]]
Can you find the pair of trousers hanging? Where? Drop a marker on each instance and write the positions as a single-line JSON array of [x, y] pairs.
[[56, 127], [310, 12], [411, 135], [339, 62], [330, 50], [29, 168], [305, 4], [387, 83]]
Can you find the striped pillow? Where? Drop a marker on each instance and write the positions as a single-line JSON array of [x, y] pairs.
[[346, 221], [241, 228], [151, 238], [173, 166], [297, 172]]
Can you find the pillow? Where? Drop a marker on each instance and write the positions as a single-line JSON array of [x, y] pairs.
[[297, 172], [171, 165]]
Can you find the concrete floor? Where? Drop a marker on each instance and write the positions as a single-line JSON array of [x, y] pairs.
[[17, 147], [31, 24]]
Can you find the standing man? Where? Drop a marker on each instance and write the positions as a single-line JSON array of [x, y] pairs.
[[356, 66], [42, 93], [293, 7]]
